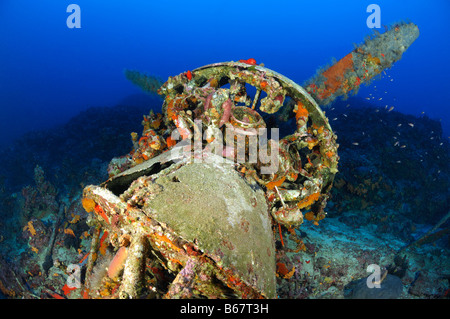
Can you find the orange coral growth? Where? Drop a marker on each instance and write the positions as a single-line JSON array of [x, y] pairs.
[[373, 60], [293, 176], [88, 204], [273, 184], [309, 216], [69, 232], [118, 262], [213, 82], [263, 85], [134, 136], [319, 129], [100, 212], [281, 235], [103, 243], [282, 269], [30, 228], [167, 240], [84, 258], [6, 291], [335, 74], [67, 290], [290, 274], [308, 200], [284, 272], [170, 142], [312, 142], [301, 111], [75, 219]]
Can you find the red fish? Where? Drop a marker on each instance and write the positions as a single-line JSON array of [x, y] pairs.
[[249, 61], [189, 75]]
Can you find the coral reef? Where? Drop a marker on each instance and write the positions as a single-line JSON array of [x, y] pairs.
[[391, 160]]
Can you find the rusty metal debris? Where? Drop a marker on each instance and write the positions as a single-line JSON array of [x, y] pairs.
[[363, 64], [197, 217]]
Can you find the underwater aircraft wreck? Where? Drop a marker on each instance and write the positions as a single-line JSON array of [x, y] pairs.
[[196, 206]]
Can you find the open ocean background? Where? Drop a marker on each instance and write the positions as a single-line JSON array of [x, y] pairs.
[[49, 73]]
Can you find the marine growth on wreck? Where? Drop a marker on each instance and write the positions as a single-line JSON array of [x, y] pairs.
[[163, 196], [210, 121], [366, 61]]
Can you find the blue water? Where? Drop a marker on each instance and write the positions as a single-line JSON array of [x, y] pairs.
[[49, 73]]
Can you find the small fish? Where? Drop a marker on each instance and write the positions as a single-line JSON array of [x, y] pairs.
[[189, 75], [368, 98], [377, 110], [347, 105], [403, 146], [345, 115], [355, 143], [411, 124], [391, 108], [334, 119], [432, 138], [399, 162], [396, 143], [380, 99], [249, 61], [399, 125]]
